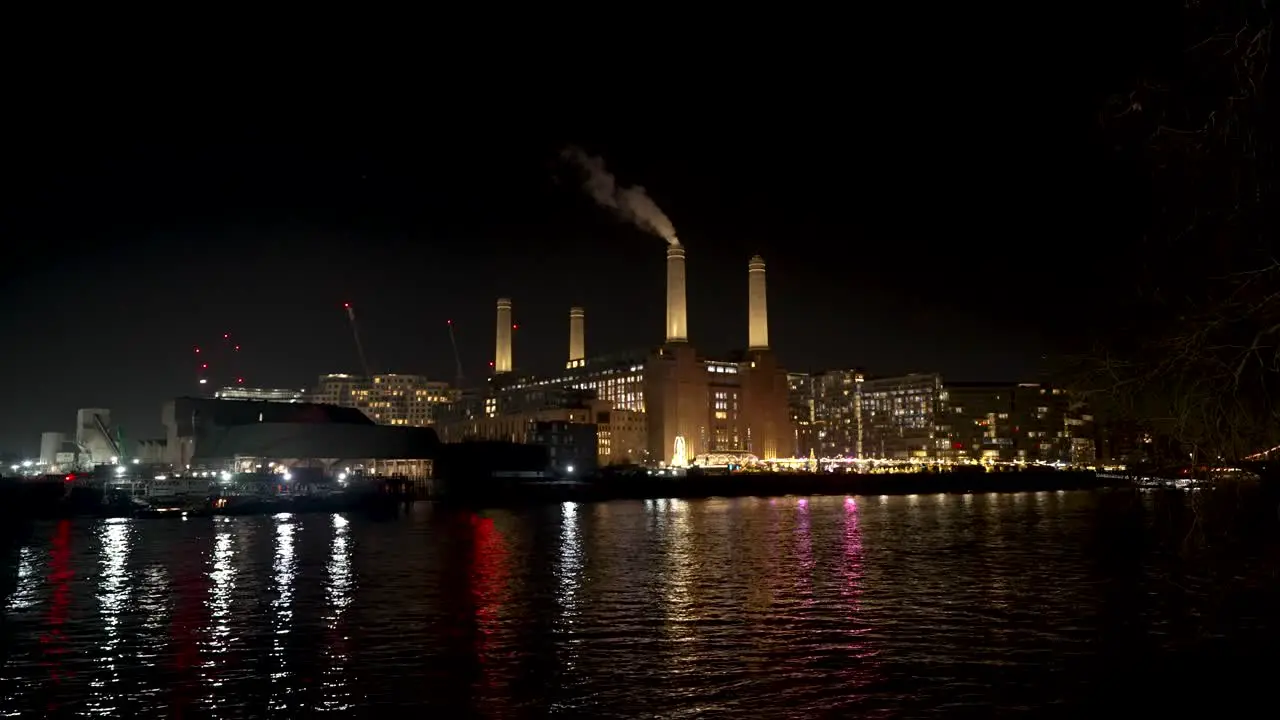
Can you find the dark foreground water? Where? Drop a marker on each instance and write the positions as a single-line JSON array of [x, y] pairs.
[[818, 607]]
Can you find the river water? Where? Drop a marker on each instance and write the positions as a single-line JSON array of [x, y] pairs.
[[1051, 602]]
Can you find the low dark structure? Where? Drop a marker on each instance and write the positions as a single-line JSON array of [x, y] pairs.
[[204, 430], [487, 469], [316, 440]]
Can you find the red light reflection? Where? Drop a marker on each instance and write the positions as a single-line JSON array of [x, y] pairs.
[[184, 629], [488, 587], [53, 639]]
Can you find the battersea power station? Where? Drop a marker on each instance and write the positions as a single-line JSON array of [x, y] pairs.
[[666, 406]]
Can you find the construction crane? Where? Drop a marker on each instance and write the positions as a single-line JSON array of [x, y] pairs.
[[355, 333], [457, 358]]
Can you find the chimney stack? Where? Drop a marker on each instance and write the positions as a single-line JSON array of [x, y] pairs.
[[577, 335], [757, 306], [502, 354], [677, 320]]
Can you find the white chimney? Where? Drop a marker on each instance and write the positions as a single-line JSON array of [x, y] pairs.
[[502, 348], [577, 335], [677, 319], [757, 306]]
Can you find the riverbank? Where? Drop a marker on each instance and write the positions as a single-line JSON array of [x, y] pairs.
[[647, 487], [52, 499], [34, 499]]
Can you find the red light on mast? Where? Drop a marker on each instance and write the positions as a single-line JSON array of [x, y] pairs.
[[197, 351], [204, 366], [237, 348], [346, 306], [226, 336], [240, 381], [515, 327]]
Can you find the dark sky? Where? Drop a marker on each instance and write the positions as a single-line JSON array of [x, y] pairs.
[[947, 215]]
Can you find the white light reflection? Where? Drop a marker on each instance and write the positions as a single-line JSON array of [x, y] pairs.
[[222, 587], [679, 556], [336, 695], [154, 606], [282, 608], [113, 590], [24, 595], [569, 576]]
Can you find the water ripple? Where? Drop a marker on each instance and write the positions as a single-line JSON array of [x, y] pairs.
[[784, 607]]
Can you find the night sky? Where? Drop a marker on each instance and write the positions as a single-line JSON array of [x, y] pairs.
[[951, 220]]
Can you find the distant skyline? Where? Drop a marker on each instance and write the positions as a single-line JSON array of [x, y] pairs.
[[933, 238]]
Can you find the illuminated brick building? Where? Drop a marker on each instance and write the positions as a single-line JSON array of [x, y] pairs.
[[736, 404]]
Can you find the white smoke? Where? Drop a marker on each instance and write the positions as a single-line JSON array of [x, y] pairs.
[[631, 203]]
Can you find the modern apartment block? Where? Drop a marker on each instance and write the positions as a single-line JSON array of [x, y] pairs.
[[387, 399], [922, 417]]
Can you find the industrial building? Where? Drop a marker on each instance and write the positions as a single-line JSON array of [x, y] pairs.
[[551, 415], [690, 405]]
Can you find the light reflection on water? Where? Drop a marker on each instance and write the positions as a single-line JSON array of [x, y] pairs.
[[339, 594], [113, 591], [784, 607], [282, 612], [679, 567], [222, 588]]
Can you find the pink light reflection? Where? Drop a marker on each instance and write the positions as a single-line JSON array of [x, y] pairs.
[[865, 671], [803, 554]]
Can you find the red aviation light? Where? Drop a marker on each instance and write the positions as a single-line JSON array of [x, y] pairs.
[[204, 366], [237, 348], [515, 327], [240, 381], [346, 306], [197, 351], [226, 336]]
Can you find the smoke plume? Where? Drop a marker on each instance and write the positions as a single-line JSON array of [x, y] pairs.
[[633, 204]]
